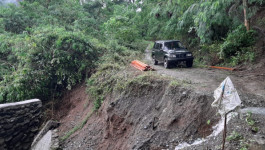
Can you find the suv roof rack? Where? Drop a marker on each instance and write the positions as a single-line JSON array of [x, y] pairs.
[[159, 41]]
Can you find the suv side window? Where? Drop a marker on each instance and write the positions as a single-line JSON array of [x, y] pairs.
[[157, 46], [160, 46], [154, 45]]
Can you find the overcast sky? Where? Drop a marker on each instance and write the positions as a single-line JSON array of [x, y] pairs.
[[8, 1]]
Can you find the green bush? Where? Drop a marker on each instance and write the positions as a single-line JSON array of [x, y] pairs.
[[50, 60], [7, 59], [237, 40], [237, 48], [209, 54], [108, 76], [15, 20], [247, 54]]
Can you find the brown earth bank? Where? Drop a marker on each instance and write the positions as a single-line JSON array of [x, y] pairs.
[[72, 108], [158, 115], [144, 116]]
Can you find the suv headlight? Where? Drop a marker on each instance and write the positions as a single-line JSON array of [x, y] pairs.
[[189, 54]]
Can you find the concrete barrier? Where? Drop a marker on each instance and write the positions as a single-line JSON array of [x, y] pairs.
[[47, 138]]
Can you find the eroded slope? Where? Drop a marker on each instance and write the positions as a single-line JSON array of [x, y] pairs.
[[154, 113]]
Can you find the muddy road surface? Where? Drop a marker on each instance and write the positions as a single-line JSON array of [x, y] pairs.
[[250, 83]]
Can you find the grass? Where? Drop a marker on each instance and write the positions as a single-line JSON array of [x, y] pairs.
[[174, 83], [150, 45], [234, 136], [251, 122], [77, 127], [109, 76], [199, 64]]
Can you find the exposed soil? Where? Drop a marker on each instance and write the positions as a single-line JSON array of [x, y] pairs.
[[140, 119], [73, 107]]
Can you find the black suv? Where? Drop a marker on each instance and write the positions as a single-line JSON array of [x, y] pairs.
[[169, 52]]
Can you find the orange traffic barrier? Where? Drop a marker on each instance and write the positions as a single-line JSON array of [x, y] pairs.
[[225, 68], [141, 66]]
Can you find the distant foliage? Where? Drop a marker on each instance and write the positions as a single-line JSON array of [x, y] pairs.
[[119, 28], [122, 25]]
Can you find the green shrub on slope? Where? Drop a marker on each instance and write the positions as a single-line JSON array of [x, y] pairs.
[[236, 40], [50, 60]]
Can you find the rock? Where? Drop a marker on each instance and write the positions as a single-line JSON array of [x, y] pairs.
[[8, 139], [26, 146], [259, 139], [16, 138], [7, 126], [2, 141], [34, 129], [257, 147], [2, 147]]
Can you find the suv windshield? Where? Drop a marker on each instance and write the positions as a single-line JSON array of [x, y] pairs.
[[173, 45]]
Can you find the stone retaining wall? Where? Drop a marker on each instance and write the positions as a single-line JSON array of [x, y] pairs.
[[19, 123]]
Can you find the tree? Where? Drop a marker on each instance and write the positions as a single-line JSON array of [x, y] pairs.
[[246, 20]]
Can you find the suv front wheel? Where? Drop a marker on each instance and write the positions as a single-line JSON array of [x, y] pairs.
[[189, 63], [166, 63]]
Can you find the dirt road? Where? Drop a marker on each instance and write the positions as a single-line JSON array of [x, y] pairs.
[[250, 84]]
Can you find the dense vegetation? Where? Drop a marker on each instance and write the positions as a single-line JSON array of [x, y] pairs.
[[49, 46]]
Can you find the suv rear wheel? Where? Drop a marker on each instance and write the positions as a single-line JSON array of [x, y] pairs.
[[189, 63], [166, 63], [154, 60]]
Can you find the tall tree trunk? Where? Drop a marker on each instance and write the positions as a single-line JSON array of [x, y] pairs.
[[245, 5], [48, 3], [82, 2]]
